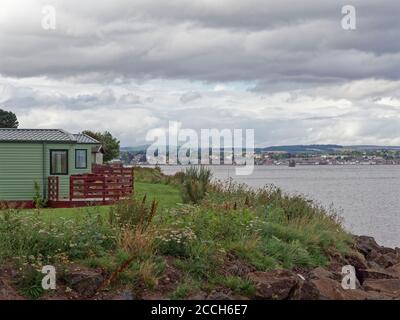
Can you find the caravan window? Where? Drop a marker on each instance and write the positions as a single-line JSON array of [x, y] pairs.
[[58, 162], [80, 159]]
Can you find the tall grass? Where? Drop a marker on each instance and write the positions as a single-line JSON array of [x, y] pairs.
[[196, 182], [133, 219], [155, 175], [133, 213]]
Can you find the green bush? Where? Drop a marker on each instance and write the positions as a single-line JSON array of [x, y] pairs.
[[133, 213], [38, 201], [176, 242], [154, 175], [30, 282], [195, 184]]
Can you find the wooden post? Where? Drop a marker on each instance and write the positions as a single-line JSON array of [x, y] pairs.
[[57, 188], [49, 188], [71, 188], [104, 188]]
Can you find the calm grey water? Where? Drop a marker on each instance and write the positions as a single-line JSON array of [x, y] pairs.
[[367, 197]]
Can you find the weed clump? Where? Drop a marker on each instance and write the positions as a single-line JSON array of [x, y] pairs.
[[196, 182]]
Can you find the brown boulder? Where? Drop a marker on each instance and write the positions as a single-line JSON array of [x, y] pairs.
[[327, 285], [277, 284], [394, 270], [84, 281], [376, 254], [320, 272], [365, 274], [366, 244], [306, 291], [330, 289], [388, 259], [387, 287]]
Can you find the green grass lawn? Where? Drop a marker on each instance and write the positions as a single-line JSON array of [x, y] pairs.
[[167, 196]]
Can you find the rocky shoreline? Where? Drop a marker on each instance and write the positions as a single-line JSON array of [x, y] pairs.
[[377, 271]]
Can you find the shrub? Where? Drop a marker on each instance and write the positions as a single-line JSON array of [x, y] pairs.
[[154, 175], [176, 242], [133, 213], [195, 184], [136, 242], [30, 282], [237, 285], [38, 201], [184, 289]]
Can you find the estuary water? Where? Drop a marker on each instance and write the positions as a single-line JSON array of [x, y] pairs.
[[367, 197]]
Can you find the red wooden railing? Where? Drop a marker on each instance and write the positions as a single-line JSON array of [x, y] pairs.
[[106, 183], [53, 188]]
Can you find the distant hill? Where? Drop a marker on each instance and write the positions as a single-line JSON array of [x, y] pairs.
[[135, 149], [312, 148], [371, 148]]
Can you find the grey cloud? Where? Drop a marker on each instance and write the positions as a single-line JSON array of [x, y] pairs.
[[190, 96], [130, 98], [200, 40]]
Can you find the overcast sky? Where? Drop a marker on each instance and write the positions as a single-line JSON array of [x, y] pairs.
[[285, 68]]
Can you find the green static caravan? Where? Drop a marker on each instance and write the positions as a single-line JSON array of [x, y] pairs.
[[29, 156]]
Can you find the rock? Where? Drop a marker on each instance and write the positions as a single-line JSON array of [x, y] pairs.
[[366, 244], [374, 253], [219, 296], [357, 260], [326, 283], [388, 259], [198, 296], [84, 281], [386, 287], [365, 274], [330, 289], [306, 291], [394, 270], [375, 266], [323, 284], [124, 295], [321, 273], [277, 284]]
